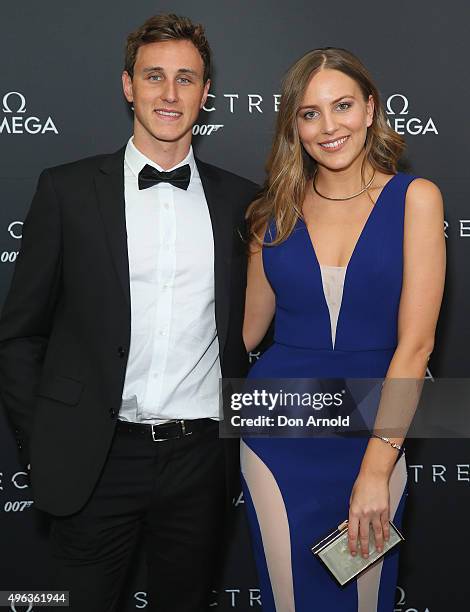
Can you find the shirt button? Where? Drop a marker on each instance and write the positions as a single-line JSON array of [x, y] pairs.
[[163, 332], [166, 285], [166, 205]]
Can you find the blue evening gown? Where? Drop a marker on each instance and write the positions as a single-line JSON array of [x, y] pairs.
[[298, 489]]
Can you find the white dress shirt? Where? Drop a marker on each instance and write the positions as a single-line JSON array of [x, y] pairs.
[[173, 369]]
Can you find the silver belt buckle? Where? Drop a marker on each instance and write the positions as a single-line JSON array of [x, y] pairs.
[[183, 431], [154, 433]]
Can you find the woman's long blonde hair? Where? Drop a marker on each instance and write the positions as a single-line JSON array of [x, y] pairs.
[[289, 167]]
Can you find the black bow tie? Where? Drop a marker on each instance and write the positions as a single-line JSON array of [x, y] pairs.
[[179, 177]]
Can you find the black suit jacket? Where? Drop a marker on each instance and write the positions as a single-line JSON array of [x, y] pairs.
[[65, 325]]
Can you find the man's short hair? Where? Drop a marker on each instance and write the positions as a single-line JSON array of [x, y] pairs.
[[160, 28]]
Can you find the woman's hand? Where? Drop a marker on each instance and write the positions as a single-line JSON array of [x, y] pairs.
[[369, 504]]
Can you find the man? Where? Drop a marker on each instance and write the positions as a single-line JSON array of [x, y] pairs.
[[125, 308]]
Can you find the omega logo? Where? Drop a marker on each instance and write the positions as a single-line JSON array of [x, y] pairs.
[[397, 106], [402, 602], [22, 106], [14, 122], [404, 110]]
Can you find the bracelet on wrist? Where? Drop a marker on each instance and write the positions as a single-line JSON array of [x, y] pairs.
[[388, 441]]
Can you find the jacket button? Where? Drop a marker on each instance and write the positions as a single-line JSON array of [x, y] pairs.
[[121, 351], [112, 412]]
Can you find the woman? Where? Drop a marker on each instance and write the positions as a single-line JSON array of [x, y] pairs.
[[349, 256]]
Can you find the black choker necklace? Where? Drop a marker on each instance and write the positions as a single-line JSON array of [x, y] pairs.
[[365, 188]]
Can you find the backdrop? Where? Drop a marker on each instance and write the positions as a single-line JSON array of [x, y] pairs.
[[61, 99]]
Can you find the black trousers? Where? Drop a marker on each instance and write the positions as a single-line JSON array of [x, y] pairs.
[[174, 491]]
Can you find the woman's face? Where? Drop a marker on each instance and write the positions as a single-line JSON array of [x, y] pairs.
[[333, 119]]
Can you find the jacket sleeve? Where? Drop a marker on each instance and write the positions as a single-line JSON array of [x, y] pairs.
[[27, 315]]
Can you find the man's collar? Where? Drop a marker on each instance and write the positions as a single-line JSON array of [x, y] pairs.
[[136, 160]]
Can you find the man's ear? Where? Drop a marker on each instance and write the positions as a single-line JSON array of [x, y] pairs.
[[207, 86], [127, 86]]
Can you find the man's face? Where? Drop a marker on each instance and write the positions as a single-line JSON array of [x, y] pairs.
[[167, 91]]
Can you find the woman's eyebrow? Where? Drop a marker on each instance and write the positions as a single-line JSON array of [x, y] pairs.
[[333, 102]]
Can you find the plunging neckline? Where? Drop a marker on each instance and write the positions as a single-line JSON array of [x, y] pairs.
[[348, 265], [364, 227]]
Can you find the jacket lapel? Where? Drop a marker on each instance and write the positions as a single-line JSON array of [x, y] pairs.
[[222, 228], [109, 182]]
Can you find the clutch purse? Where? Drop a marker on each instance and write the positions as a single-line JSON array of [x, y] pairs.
[[333, 552]]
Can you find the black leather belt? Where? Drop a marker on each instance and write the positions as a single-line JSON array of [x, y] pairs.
[[171, 430]]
